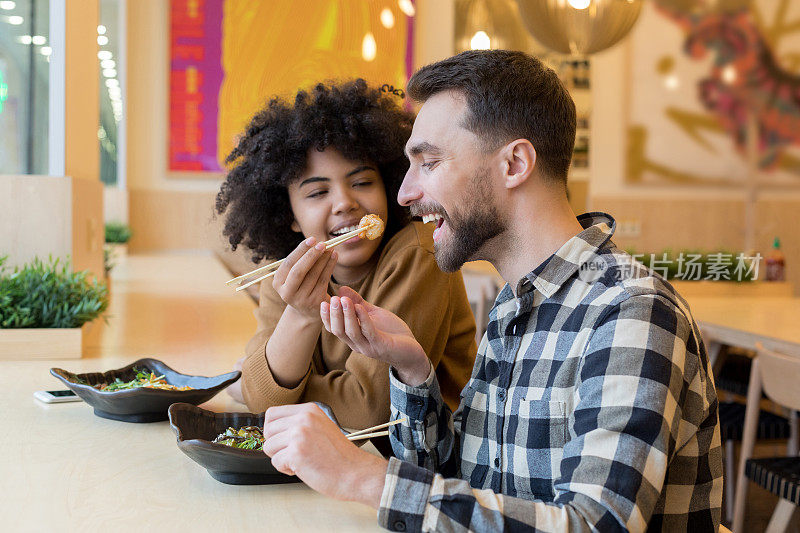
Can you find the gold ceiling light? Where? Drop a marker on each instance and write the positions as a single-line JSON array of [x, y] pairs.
[[579, 27], [481, 24]]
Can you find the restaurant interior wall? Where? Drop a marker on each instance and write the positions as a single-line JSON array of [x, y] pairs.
[[169, 210], [655, 217], [170, 213]]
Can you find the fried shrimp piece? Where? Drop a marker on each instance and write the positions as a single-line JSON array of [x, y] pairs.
[[375, 230]]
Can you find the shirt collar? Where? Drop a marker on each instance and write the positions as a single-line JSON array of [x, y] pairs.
[[549, 276]]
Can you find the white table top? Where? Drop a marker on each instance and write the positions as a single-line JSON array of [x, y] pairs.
[[742, 322], [64, 469]]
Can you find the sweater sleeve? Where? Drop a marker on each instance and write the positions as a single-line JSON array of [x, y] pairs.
[[412, 286], [259, 388]]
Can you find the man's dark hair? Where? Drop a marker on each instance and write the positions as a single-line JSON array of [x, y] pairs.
[[360, 122], [509, 95]]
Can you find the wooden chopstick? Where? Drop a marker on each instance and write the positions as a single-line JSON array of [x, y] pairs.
[[262, 278], [346, 237], [368, 435], [375, 428], [328, 245], [256, 271]]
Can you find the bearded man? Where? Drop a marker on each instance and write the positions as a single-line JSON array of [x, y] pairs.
[[591, 405]]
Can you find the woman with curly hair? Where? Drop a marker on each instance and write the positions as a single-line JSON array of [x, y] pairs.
[[302, 174]]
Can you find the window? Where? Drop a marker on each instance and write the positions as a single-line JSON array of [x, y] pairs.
[[109, 131], [24, 85]]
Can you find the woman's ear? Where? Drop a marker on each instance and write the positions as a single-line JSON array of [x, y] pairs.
[[519, 162], [295, 227]]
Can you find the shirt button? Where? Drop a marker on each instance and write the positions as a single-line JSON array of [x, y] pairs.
[[501, 394], [497, 462], [399, 526]]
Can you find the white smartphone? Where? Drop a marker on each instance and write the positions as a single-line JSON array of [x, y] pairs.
[[56, 396]]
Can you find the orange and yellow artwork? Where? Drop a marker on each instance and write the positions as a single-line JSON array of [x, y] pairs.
[[237, 54]]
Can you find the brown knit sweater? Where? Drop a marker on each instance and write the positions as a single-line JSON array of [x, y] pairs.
[[406, 281]]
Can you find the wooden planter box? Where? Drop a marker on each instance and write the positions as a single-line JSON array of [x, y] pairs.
[[118, 250], [34, 343]]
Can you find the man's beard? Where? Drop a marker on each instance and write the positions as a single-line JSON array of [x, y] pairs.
[[470, 226]]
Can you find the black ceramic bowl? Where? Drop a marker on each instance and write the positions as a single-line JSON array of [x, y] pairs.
[[142, 404], [196, 428]]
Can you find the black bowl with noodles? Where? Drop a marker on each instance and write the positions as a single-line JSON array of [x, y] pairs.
[[196, 428], [142, 404]]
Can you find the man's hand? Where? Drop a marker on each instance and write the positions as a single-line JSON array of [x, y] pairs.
[[303, 441], [376, 333]]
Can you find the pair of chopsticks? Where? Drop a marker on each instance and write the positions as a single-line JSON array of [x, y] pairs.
[[273, 267], [372, 432]]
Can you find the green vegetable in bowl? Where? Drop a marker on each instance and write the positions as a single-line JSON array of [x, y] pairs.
[[246, 438], [144, 379]]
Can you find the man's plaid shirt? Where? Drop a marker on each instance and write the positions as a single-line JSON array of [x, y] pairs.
[[591, 407]]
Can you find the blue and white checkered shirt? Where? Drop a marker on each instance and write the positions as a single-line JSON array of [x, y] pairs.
[[591, 407]]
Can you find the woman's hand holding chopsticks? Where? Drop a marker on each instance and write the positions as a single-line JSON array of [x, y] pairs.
[[302, 279], [301, 282]]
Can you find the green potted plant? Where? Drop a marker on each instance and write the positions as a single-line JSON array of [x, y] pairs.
[[117, 236], [43, 306], [108, 263], [696, 273]]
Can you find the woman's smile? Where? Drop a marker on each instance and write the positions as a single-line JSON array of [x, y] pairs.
[[329, 198]]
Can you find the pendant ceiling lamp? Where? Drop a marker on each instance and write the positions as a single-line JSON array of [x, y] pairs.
[[483, 24], [579, 27]]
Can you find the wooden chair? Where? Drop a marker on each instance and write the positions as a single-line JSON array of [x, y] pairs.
[[769, 426], [732, 374], [778, 376]]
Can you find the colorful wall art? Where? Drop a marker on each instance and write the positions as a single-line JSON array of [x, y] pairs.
[[717, 93], [228, 57]]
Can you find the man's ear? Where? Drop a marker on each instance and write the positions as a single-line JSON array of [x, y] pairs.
[[295, 227], [519, 160]]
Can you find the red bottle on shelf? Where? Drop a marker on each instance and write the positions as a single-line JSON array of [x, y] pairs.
[[775, 263]]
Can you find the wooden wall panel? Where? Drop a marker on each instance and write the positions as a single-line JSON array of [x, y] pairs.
[[172, 220], [35, 217], [781, 218], [682, 223], [180, 220], [115, 204], [52, 215], [82, 112], [676, 223], [88, 233]]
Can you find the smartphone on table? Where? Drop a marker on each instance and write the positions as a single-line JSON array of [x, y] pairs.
[[56, 396]]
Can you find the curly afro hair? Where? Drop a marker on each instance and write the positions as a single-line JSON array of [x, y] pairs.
[[361, 122]]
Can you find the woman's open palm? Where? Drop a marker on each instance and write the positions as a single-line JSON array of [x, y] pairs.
[[370, 330]]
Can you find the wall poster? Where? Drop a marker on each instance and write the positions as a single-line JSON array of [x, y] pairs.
[[228, 57]]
